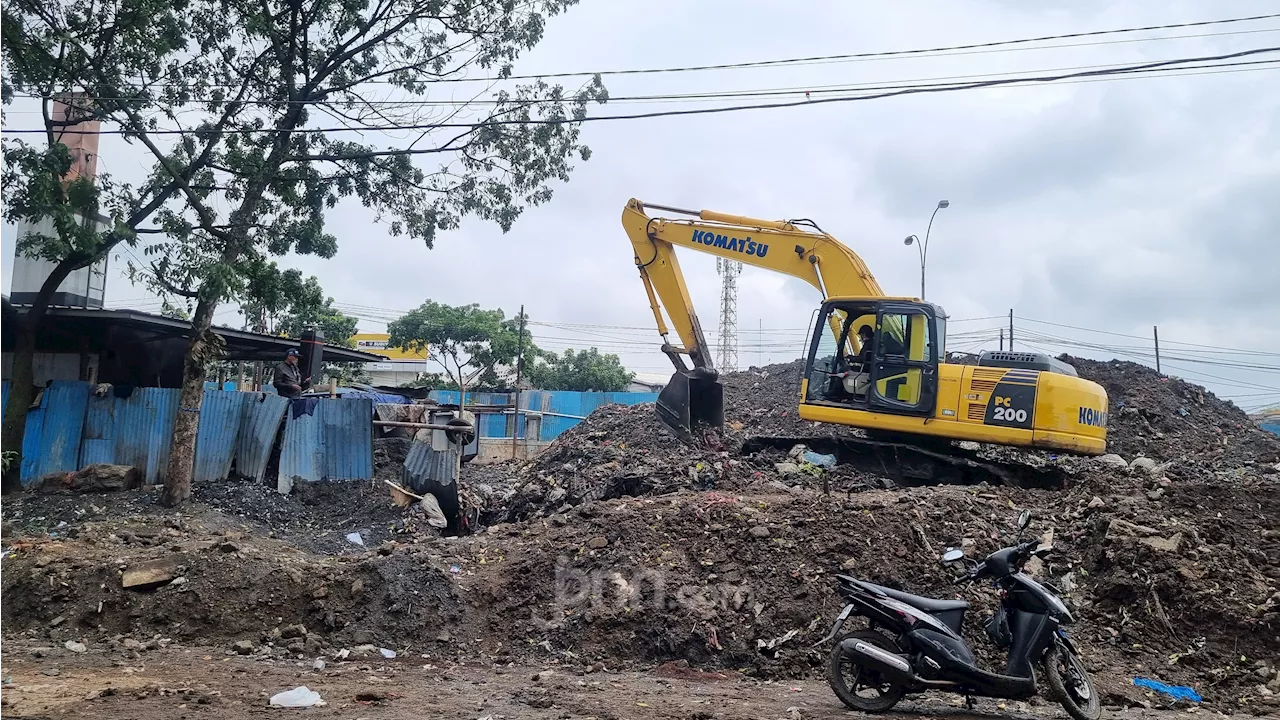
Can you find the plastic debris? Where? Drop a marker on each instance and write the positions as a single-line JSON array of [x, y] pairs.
[[819, 459], [299, 697], [388, 654], [1177, 692], [435, 516], [455, 569], [355, 539]]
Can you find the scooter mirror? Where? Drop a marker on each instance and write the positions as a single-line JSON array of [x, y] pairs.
[[952, 555], [1024, 519]]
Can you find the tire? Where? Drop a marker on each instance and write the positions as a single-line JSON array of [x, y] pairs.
[[1076, 692], [888, 693]]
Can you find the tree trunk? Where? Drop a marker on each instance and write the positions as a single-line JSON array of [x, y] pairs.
[[177, 482], [22, 391], [22, 388]]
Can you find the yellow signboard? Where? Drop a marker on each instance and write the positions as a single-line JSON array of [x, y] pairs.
[[376, 343]]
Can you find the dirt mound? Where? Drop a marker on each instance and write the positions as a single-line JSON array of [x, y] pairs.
[[1170, 419], [737, 582], [388, 457]]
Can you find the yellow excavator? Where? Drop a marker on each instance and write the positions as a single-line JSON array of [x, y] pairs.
[[874, 362]]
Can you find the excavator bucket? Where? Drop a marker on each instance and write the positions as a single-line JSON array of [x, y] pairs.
[[692, 400]]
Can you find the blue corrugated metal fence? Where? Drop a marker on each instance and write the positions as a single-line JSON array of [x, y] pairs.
[[554, 403], [327, 439], [74, 427]]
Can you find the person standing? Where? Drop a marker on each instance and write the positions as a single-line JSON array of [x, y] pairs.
[[287, 379]]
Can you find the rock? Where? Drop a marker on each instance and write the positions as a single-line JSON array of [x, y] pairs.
[[1155, 494], [357, 587], [786, 468], [1112, 460], [557, 496], [597, 542], [57, 621], [131, 644], [51, 672], [760, 531], [242, 647], [229, 547], [540, 676], [148, 574], [289, 632], [99, 477], [1097, 502], [75, 647], [1144, 465], [1169, 544], [444, 636]]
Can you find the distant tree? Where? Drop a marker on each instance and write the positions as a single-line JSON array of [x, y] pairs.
[[475, 347], [582, 370]]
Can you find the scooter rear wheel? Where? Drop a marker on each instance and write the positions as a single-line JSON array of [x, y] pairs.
[[1070, 684], [858, 687]]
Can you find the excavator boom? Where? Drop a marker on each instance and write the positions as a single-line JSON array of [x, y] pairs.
[[694, 396]]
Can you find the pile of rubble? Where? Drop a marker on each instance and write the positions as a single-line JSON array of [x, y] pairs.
[[1171, 420]]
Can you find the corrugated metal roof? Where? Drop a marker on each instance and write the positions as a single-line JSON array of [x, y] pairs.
[[221, 413], [258, 429], [52, 443]]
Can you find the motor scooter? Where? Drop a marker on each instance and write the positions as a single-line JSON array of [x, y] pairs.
[[913, 644]]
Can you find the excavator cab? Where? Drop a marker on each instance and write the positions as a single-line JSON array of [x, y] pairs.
[[876, 354]]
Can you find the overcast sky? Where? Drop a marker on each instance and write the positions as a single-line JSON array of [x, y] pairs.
[[1113, 206]]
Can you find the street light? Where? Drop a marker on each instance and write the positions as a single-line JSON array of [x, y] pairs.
[[923, 247]]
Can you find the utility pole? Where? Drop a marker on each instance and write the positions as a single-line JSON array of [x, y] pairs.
[[727, 352], [1010, 329], [1155, 331], [515, 415], [1001, 339]]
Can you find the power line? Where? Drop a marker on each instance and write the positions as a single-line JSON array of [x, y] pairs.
[[1153, 67]]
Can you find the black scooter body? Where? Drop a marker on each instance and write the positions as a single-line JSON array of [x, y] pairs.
[[932, 655]]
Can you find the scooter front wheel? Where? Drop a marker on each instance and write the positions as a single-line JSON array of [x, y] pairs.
[[1071, 684], [858, 687]]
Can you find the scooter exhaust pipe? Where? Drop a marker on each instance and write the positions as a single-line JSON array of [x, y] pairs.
[[894, 667]]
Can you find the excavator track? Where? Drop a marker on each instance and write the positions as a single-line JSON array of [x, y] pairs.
[[903, 463]]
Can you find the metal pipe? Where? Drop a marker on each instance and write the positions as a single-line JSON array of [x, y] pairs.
[[423, 426]]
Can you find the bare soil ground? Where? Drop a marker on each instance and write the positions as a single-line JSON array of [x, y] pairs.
[[208, 683]]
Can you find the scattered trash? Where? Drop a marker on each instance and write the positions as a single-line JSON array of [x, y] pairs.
[[1177, 692], [355, 539], [75, 647], [388, 654], [769, 648], [819, 459], [455, 568], [319, 664], [299, 697]]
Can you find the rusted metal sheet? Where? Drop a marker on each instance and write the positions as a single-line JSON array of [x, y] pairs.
[[326, 439], [52, 444], [258, 429], [144, 430], [221, 413]]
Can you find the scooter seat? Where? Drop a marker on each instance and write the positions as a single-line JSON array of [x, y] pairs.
[[928, 605]]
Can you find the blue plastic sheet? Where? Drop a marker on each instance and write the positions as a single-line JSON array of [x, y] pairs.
[[1177, 692]]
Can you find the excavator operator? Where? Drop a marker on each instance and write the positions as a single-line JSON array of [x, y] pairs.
[[858, 381]]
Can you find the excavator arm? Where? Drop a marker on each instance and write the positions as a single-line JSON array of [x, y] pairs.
[[797, 248]]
